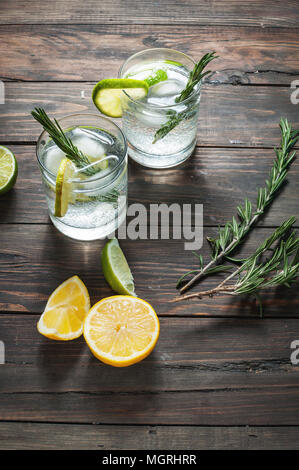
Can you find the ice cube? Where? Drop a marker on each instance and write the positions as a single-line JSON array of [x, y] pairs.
[[151, 119], [103, 138], [93, 148], [53, 159], [167, 88]]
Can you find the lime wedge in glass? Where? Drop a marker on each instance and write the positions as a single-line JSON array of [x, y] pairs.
[[107, 94], [116, 269], [63, 190], [8, 169]]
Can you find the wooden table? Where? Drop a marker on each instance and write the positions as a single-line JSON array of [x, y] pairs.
[[220, 377]]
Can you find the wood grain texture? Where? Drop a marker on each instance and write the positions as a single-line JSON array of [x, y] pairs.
[[200, 373], [52, 436], [245, 407], [235, 173], [229, 115], [90, 53], [36, 259], [219, 378], [204, 354], [234, 12]]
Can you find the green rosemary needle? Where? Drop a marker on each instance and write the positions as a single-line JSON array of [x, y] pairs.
[[230, 236], [256, 274], [63, 142], [196, 75]]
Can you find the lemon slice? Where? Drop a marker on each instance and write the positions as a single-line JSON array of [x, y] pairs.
[[116, 269], [63, 190], [108, 93], [8, 169], [121, 330], [65, 311]]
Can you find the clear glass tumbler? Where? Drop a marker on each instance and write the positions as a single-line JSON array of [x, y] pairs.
[[97, 203], [145, 120]]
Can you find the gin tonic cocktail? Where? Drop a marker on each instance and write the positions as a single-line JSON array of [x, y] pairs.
[[97, 193], [160, 131]]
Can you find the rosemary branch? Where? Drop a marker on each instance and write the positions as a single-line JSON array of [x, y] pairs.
[[196, 75], [63, 142], [255, 274], [230, 236]]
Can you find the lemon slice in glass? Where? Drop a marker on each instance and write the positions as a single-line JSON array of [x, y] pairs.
[[63, 190]]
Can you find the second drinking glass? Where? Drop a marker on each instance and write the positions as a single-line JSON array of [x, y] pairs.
[[161, 132]]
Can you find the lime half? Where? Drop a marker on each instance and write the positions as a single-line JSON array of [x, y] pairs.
[[8, 169], [116, 269], [107, 94], [63, 190]]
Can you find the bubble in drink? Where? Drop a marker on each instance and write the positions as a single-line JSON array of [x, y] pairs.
[[98, 202]]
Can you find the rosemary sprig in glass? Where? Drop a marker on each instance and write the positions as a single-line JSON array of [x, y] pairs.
[[231, 235], [63, 142], [196, 75], [256, 274]]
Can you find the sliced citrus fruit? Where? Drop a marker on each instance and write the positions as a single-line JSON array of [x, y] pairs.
[[65, 311], [107, 94], [8, 169], [121, 330], [156, 77], [63, 190], [116, 269]]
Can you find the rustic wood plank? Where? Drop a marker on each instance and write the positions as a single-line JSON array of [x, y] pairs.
[[199, 373], [233, 12], [272, 406], [222, 120], [41, 436], [89, 53], [204, 354], [235, 173], [36, 259]]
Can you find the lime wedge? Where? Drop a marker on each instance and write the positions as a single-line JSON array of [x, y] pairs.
[[107, 94], [116, 269], [8, 169], [63, 190]]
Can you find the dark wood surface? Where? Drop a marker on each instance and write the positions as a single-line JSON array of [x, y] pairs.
[[220, 377]]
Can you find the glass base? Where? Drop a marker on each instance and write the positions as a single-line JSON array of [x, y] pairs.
[[89, 234], [160, 161]]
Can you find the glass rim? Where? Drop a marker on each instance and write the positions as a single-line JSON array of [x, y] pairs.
[[88, 115], [154, 106]]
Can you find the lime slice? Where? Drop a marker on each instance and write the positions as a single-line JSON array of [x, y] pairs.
[[107, 94], [63, 190], [173, 62], [116, 269], [8, 169], [156, 77]]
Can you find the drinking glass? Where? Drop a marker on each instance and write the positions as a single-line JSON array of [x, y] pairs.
[[98, 203], [142, 119]]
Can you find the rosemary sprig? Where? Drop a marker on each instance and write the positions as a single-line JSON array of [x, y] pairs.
[[63, 142], [196, 75], [230, 236], [255, 274], [174, 119]]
